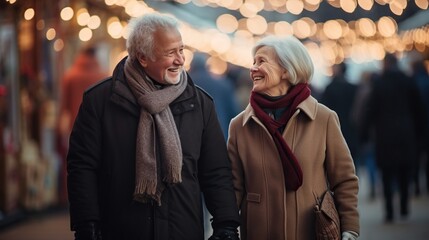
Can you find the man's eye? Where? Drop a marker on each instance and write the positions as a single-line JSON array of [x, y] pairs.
[[170, 53]]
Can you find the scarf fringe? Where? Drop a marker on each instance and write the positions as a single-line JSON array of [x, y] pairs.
[[145, 187], [172, 178], [146, 191]]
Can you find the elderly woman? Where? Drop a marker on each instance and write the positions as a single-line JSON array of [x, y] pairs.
[[287, 149]]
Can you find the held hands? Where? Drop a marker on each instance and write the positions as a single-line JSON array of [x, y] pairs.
[[349, 235], [225, 233]]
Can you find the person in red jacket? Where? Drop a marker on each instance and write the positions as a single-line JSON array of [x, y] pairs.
[[84, 72]]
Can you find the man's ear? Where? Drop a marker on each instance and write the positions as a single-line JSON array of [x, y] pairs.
[[143, 60]]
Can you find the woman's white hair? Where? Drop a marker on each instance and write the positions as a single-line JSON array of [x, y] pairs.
[[140, 41], [292, 55]]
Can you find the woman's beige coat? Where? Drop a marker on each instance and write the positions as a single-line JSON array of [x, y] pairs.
[[268, 211]]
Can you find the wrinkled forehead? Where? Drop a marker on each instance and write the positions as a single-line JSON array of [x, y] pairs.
[[167, 38], [265, 51]]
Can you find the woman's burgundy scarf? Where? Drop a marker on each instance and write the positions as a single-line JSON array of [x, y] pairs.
[[297, 94]]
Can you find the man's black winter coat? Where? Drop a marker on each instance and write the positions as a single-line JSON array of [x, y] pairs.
[[101, 167]]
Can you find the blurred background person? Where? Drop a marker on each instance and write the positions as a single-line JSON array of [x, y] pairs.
[[84, 72], [365, 151], [339, 95], [421, 76], [394, 111], [219, 87]]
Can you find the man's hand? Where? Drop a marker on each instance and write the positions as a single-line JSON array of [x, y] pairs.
[[87, 231]]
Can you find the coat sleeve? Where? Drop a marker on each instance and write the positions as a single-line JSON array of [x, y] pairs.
[[83, 163], [215, 171], [341, 176], [236, 164]]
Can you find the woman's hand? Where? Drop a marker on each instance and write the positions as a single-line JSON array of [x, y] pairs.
[[349, 235]]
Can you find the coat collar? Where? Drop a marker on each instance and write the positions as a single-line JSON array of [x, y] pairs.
[[308, 107]]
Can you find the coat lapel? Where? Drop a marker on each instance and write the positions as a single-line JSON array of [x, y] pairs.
[[121, 94]]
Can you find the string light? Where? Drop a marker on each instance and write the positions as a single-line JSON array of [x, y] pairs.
[[233, 35]]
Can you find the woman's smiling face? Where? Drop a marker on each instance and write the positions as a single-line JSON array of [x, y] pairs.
[[268, 76]]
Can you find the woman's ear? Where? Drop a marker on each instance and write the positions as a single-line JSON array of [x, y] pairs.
[[285, 74]]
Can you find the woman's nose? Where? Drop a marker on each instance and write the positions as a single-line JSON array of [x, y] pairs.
[[254, 68]]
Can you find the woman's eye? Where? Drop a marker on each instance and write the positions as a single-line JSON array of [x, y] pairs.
[[258, 62]]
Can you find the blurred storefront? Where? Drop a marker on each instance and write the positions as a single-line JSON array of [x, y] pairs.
[[38, 42], [40, 38]]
